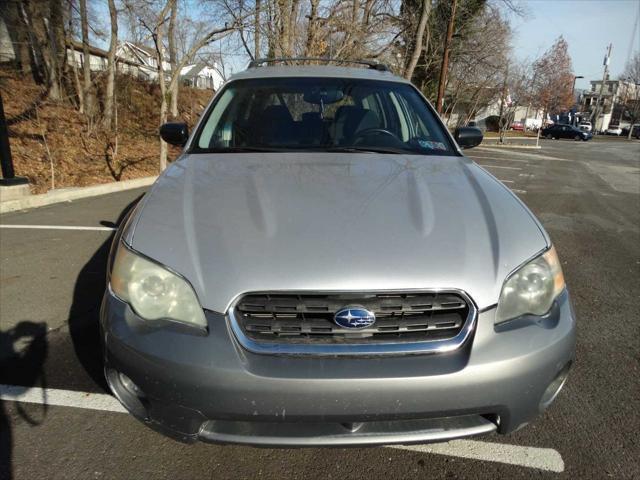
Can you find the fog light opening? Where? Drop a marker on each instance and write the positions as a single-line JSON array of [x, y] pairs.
[[128, 393], [554, 387], [130, 386]]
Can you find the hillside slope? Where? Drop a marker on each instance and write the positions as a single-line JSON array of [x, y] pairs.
[[53, 141]]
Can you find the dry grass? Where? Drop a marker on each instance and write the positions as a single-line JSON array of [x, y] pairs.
[[54, 137]]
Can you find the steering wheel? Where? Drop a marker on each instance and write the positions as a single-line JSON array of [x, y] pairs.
[[369, 131]]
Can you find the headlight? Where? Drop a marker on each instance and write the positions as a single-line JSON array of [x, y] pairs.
[[153, 292], [532, 288]]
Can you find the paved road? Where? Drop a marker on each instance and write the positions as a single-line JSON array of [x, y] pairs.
[[586, 194]]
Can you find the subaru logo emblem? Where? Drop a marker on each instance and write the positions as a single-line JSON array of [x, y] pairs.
[[354, 317]]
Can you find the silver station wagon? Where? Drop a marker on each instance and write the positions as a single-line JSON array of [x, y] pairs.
[[322, 266]]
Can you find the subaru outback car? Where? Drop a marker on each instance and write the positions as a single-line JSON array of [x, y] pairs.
[[322, 266]]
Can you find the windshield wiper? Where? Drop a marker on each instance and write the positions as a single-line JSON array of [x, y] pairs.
[[356, 149], [238, 150]]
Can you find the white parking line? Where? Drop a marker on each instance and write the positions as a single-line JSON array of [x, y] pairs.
[[61, 398], [59, 227], [499, 166], [506, 181], [536, 156], [502, 159], [531, 457]]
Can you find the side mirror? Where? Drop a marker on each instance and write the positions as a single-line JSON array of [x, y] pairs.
[[468, 137], [175, 133]]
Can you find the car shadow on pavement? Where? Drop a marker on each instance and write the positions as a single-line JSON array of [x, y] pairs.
[[84, 313], [23, 350]]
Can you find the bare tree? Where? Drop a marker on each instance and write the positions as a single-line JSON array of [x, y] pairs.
[[256, 29], [444, 66], [88, 97], [419, 39], [159, 25], [173, 56], [13, 14], [109, 102], [631, 75], [312, 45], [44, 20], [553, 89]]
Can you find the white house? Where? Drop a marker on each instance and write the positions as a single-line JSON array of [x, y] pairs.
[[615, 94], [143, 56], [132, 59], [6, 46], [200, 75]]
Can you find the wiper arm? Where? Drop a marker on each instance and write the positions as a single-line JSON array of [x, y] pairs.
[[356, 149], [238, 150]]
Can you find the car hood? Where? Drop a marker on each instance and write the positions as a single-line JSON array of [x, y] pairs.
[[235, 223]]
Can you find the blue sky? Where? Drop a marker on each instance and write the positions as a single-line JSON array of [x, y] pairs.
[[587, 25]]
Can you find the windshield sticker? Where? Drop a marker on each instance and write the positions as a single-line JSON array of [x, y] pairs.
[[432, 145]]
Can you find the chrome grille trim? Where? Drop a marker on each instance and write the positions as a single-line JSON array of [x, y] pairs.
[[357, 349]]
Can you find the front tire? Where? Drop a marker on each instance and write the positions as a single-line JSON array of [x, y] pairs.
[[548, 136], [577, 138]]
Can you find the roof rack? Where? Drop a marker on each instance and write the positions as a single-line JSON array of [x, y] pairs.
[[374, 65]]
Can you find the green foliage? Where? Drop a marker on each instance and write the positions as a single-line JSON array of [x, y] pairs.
[[427, 72]]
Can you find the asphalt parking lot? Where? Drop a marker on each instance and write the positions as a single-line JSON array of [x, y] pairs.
[[56, 420]]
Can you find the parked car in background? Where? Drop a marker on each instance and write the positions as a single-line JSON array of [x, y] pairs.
[[532, 124], [614, 130], [323, 266], [635, 132], [565, 131], [518, 126], [585, 126]]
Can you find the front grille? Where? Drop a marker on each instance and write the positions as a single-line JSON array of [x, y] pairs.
[[305, 319]]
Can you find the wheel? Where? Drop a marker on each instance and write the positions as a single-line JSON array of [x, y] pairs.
[[548, 136], [577, 138]]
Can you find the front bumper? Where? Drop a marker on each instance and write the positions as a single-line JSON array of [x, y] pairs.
[[207, 387]]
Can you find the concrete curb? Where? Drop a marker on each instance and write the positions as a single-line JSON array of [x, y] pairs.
[[506, 145], [69, 194], [521, 137]]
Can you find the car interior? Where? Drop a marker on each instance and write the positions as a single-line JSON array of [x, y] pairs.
[[292, 114]]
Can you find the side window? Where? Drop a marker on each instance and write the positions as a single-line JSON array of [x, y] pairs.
[[220, 120]]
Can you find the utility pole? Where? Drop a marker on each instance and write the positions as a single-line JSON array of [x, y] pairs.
[[605, 75], [445, 57]]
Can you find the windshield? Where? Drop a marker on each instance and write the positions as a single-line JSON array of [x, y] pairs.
[[321, 114]]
